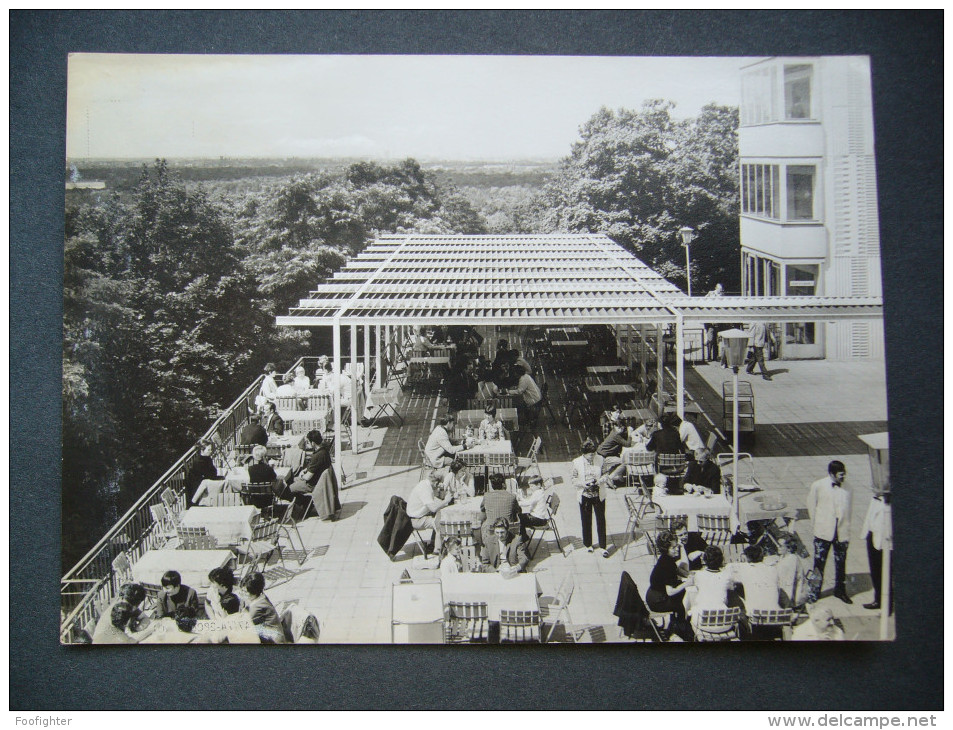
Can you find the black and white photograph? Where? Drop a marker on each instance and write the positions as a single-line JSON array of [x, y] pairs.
[[379, 349]]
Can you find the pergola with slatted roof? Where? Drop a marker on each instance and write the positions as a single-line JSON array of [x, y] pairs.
[[542, 280]]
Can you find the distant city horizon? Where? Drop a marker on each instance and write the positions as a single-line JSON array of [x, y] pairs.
[[433, 108]]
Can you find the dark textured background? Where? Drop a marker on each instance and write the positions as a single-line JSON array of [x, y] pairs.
[[906, 50]]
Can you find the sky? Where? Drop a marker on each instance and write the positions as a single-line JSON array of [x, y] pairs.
[[382, 107]]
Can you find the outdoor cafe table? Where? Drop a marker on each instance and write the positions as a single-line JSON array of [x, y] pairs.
[[490, 446], [238, 475], [462, 510], [380, 401], [229, 525], [617, 389], [316, 415], [605, 369], [519, 593], [692, 505], [751, 507], [192, 565], [474, 416]]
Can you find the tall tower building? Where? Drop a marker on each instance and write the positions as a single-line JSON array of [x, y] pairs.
[[809, 196]]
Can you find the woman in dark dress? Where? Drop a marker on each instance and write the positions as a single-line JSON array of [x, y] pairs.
[[666, 587]]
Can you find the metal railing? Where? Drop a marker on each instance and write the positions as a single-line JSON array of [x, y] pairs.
[[90, 584]]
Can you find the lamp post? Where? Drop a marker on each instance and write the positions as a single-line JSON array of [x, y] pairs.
[[735, 346], [688, 235]]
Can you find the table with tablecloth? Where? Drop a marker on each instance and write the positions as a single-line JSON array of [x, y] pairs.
[[751, 507], [229, 525], [519, 593], [318, 416], [491, 446], [192, 565], [238, 475], [473, 417], [605, 369], [692, 505]]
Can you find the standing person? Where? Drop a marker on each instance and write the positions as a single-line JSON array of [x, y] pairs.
[[269, 388], [590, 486], [760, 337], [828, 504], [878, 532]]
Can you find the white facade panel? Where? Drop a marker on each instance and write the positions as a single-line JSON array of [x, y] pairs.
[[797, 241], [803, 139]]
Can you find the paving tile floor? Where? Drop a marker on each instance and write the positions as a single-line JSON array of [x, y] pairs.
[[346, 580]]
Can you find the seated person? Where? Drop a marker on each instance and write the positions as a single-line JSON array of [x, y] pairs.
[[491, 427], [759, 579], [174, 594], [260, 471], [822, 626], [301, 381], [459, 480], [269, 388], [426, 499], [439, 449], [486, 388], [518, 359], [703, 472], [422, 341], [331, 381], [713, 584], [461, 383], [497, 502], [688, 435], [253, 433], [202, 468], [303, 483], [272, 422], [500, 369], [261, 611], [121, 626], [666, 591], [792, 578], [611, 452], [534, 505], [176, 628], [221, 585], [451, 561], [503, 549], [287, 388], [692, 547], [666, 439], [641, 435]]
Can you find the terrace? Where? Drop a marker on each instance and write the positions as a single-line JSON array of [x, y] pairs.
[[512, 288]]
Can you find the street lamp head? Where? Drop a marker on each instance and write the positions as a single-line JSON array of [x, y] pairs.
[[687, 233], [736, 346]]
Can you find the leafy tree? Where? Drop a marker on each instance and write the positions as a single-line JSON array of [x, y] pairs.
[[638, 176]]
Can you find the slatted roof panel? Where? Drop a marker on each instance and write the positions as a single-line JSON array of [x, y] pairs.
[[557, 278]]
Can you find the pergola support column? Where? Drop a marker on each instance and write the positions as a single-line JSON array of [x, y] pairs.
[[659, 360], [336, 395], [680, 366], [354, 439], [367, 361], [379, 365]]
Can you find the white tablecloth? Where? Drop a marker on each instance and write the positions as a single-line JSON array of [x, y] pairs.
[[192, 565], [515, 594], [692, 505], [229, 525], [751, 506]]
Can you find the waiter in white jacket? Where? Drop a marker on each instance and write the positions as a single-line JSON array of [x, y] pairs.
[[828, 504]]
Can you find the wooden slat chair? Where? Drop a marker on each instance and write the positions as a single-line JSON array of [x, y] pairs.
[[521, 627], [286, 404], [634, 507], [531, 460], [461, 530], [301, 426], [153, 594], [243, 451], [227, 499], [263, 543], [122, 569], [637, 466], [426, 465], [467, 622], [672, 465], [715, 529], [552, 504], [287, 526], [560, 606], [319, 403], [771, 618], [664, 522], [165, 524], [196, 538], [172, 501], [718, 624], [501, 463], [260, 495]]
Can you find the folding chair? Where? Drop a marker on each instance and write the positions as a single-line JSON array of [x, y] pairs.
[[260, 495], [122, 569], [715, 529], [264, 542], [520, 627], [524, 463], [165, 525], [287, 526], [552, 504], [463, 531], [301, 426], [227, 499], [196, 538], [501, 463], [635, 514], [287, 404], [172, 501], [771, 618], [468, 622], [672, 465], [426, 465], [153, 594], [664, 522], [637, 465], [560, 604], [718, 624], [243, 451], [318, 403]]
